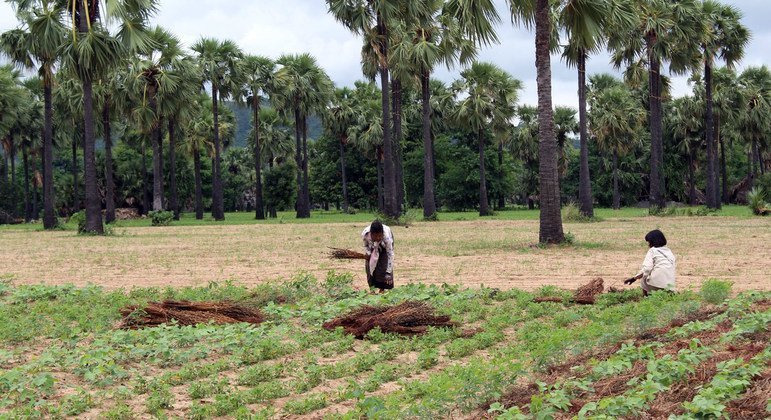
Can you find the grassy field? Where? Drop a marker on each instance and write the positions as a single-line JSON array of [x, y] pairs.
[[695, 354], [460, 249]]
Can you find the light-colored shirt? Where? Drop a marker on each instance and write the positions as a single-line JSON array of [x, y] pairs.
[[388, 241], [658, 268]]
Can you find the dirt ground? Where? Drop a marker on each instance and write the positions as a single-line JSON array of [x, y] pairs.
[[493, 253]]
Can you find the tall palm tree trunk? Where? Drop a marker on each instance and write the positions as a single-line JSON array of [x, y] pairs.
[[429, 202], [173, 193], [306, 188], [396, 105], [380, 180], [657, 198], [501, 198], [218, 204], [35, 192], [585, 199], [157, 165], [616, 196], [390, 205], [713, 198], [109, 182], [49, 216], [93, 201], [258, 203], [484, 206], [691, 177], [342, 172], [27, 204], [74, 170], [198, 186], [12, 156], [550, 218], [146, 194], [301, 204], [723, 167]]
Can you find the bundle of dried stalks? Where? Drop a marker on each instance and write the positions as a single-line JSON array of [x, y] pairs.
[[346, 254], [187, 313], [407, 318]]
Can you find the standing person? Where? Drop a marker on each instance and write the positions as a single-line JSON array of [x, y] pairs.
[[658, 269], [379, 247]]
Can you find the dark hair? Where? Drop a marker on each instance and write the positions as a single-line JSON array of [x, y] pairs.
[[656, 238], [376, 227]]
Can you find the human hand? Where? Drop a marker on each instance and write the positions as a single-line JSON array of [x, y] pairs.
[[630, 280]]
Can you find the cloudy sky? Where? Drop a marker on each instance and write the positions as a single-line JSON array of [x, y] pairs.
[[271, 28]]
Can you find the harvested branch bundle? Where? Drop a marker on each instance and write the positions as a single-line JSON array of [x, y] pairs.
[[187, 313], [346, 254], [407, 318], [548, 299]]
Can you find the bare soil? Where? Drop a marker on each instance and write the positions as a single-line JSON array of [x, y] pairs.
[[491, 252]]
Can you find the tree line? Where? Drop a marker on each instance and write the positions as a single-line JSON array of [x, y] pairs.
[[402, 138]]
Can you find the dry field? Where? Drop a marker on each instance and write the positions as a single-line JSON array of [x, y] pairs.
[[495, 253]]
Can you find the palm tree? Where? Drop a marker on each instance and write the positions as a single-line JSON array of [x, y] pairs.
[[586, 23], [276, 144], [537, 13], [441, 32], [565, 125], [374, 20], [755, 84], [36, 44], [615, 119], [524, 146], [725, 38], [366, 133], [258, 74], [88, 55], [68, 101], [489, 95], [662, 33], [219, 63], [304, 88], [683, 119], [338, 119]]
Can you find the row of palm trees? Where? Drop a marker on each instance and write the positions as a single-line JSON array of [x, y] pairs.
[[408, 39]]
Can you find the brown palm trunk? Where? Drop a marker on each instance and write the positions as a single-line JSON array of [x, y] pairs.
[[657, 198], [550, 218], [157, 163], [396, 104], [501, 198], [27, 204], [298, 160], [380, 180], [218, 204], [484, 206], [173, 193], [93, 201], [429, 202], [35, 192], [12, 156], [109, 183], [723, 168], [390, 204], [146, 193], [713, 199], [616, 196], [306, 188], [585, 199], [258, 203], [342, 172], [198, 186], [691, 177], [74, 170], [49, 215]]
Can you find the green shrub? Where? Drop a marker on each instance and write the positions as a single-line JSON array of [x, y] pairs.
[[161, 217], [715, 291], [79, 219], [756, 199]]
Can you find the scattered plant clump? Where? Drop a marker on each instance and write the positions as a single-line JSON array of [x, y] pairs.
[[585, 295], [161, 218]]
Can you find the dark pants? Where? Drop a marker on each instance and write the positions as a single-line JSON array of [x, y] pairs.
[[377, 279]]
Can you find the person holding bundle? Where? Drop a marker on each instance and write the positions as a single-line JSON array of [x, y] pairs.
[[379, 248]]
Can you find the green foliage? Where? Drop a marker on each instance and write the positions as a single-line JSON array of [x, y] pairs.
[[756, 200], [79, 219], [161, 217], [280, 188], [715, 291]]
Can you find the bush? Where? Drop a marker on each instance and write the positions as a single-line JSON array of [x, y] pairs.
[[79, 219], [756, 200], [571, 213], [715, 291], [161, 217]]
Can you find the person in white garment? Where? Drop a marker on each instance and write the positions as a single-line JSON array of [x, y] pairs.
[[658, 269], [379, 247]]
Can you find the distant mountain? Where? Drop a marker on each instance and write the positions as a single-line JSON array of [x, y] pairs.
[[244, 118]]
